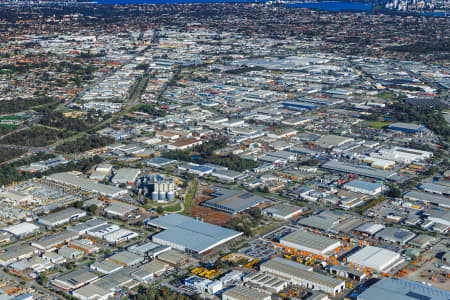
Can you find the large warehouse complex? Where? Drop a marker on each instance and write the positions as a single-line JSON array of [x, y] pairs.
[[402, 289], [187, 234], [378, 259], [302, 275], [310, 242], [86, 185], [231, 201]]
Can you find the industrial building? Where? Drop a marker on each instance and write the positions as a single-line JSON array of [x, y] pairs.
[[150, 270], [67, 179], [283, 211], [395, 235], [378, 259], [310, 242], [126, 176], [226, 175], [22, 230], [62, 217], [302, 275], [331, 141], [369, 228], [231, 201], [83, 228], [159, 188], [74, 280], [364, 187], [266, 281], [15, 253], [406, 127], [55, 241], [187, 234], [244, 293], [361, 170], [402, 289], [428, 198], [126, 258], [148, 249], [119, 209], [402, 155]]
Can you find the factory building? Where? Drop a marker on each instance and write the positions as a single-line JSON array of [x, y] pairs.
[[310, 242], [283, 211], [379, 259], [395, 235], [302, 275]]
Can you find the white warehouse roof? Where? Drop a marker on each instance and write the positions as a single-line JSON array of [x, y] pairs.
[[21, 229], [375, 258]]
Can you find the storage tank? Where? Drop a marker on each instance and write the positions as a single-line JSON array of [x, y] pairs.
[[170, 196]]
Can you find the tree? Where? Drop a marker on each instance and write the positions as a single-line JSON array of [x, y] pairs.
[[160, 210], [93, 209]]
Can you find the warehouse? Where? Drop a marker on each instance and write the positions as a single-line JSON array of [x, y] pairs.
[[231, 201], [120, 236], [15, 253], [83, 228], [361, 170], [331, 141], [150, 270], [310, 242], [62, 217], [126, 176], [428, 198], [379, 259], [435, 188], [52, 242], [244, 293], [92, 292], [187, 234], [120, 209], [369, 228], [226, 175], [174, 258], [364, 187], [148, 249], [266, 281], [126, 258], [395, 235], [74, 280], [402, 155], [283, 211], [402, 289], [422, 241], [22, 230], [406, 127], [68, 179], [302, 275]]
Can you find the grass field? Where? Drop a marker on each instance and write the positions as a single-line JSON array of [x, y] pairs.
[[377, 124], [172, 208], [189, 198]]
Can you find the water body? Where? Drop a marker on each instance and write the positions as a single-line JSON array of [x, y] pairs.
[[333, 6]]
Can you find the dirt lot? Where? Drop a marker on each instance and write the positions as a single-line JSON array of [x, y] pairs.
[[209, 215]]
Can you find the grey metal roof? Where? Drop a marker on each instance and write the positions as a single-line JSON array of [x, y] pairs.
[[394, 234], [297, 270], [308, 239], [232, 201], [362, 170], [190, 233], [62, 215], [426, 197], [86, 184], [245, 293], [402, 289]]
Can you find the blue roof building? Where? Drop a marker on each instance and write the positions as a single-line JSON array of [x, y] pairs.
[[406, 127]]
